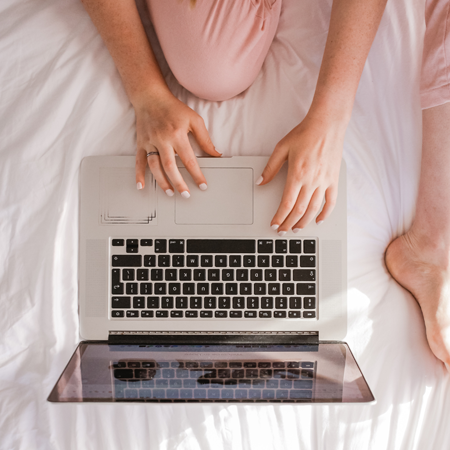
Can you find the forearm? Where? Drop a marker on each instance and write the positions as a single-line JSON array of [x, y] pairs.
[[353, 26], [120, 26]]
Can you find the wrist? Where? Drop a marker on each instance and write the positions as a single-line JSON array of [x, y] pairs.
[[154, 92], [331, 109]]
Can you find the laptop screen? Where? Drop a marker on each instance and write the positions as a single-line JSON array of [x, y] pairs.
[[319, 373]]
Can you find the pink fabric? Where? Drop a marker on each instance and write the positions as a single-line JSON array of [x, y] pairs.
[[216, 48], [435, 83]]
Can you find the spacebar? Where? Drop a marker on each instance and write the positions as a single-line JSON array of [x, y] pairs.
[[221, 246]]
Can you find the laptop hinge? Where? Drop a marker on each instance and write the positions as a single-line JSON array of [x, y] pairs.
[[214, 337]]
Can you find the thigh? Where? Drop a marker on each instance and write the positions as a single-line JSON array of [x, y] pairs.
[[435, 82], [215, 48]]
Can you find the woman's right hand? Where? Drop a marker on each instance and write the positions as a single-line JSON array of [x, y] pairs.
[[162, 125]]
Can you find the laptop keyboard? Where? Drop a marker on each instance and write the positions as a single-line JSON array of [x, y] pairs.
[[213, 380], [214, 278]]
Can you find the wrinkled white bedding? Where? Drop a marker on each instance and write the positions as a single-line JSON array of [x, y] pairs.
[[61, 99]]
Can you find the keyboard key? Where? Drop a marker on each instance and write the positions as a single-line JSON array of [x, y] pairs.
[[160, 245], [284, 275], [263, 261], [294, 314], [221, 314], [281, 303], [146, 313], [121, 302], [307, 261], [156, 274], [146, 242], [265, 246], [291, 261], [231, 288], [132, 313], [224, 302], [162, 313], [199, 275], [242, 274], [206, 260], [191, 314], [138, 302], [117, 313], [213, 274], [267, 302], [206, 314], [256, 275], [142, 274], [170, 274], [235, 261], [252, 303], [117, 289], [150, 260], [309, 303], [176, 245], [128, 274], [250, 314], [304, 275], [126, 260], [211, 246], [178, 260], [281, 246], [195, 302], [279, 314], [277, 261], [238, 303], [185, 274], [217, 288], [249, 261], [192, 261], [288, 289], [309, 314], [265, 314], [174, 289], [152, 302], [163, 260], [245, 289], [188, 288], [309, 246], [160, 288], [227, 274], [118, 242], [210, 303], [307, 365], [235, 314], [270, 275], [202, 288], [295, 303], [274, 289], [181, 302], [259, 289], [220, 261], [306, 289], [167, 302], [132, 288]]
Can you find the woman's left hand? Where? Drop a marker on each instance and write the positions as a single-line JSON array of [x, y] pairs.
[[313, 150]]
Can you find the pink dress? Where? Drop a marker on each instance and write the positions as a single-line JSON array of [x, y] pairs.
[[435, 82], [216, 48]]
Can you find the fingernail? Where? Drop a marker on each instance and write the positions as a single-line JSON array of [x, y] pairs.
[[320, 222], [281, 233], [203, 186], [275, 227], [185, 194], [169, 192], [259, 181], [139, 186], [296, 230]]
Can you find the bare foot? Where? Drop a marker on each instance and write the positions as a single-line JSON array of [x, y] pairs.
[[424, 270]]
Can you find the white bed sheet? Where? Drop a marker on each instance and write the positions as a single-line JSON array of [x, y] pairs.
[[61, 99]]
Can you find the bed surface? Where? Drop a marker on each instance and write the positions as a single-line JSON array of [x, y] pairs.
[[61, 99]]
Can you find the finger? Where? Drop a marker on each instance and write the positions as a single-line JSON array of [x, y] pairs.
[[201, 135], [141, 165], [276, 160], [312, 209], [298, 210], [169, 165], [330, 202], [154, 164], [187, 155]]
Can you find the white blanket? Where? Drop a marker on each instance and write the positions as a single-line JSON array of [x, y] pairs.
[[61, 99]]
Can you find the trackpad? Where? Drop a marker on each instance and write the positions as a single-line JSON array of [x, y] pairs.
[[227, 201]]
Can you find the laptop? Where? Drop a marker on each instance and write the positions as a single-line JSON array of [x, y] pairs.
[[198, 300]]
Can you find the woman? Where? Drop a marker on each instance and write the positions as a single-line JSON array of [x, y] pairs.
[[420, 259], [204, 39]]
